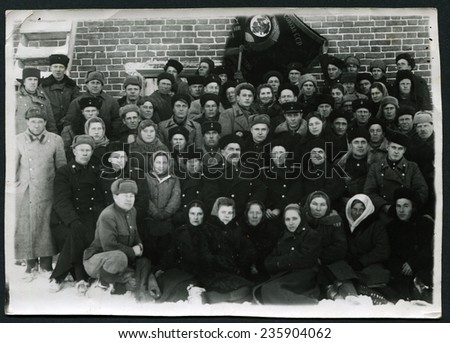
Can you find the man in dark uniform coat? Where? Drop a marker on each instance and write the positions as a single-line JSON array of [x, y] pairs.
[[77, 203], [210, 148], [394, 172], [59, 88], [162, 97], [231, 179]]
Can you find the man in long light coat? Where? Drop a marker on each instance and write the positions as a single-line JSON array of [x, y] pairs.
[[38, 154]]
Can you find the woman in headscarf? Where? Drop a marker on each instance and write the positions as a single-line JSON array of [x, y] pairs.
[[368, 246], [230, 256], [146, 144], [184, 261], [262, 233], [378, 92], [293, 264], [411, 237], [335, 274]]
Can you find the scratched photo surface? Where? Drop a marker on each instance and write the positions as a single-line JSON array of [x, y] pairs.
[[265, 162]]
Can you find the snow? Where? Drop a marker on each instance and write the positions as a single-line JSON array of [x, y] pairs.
[[34, 298]]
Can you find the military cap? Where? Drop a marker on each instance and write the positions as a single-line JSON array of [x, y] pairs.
[[90, 102], [361, 103], [211, 126], [292, 107], [259, 119]]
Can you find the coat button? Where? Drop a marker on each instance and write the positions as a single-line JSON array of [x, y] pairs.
[[284, 186], [183, 195], [283, 196], [232, 195]]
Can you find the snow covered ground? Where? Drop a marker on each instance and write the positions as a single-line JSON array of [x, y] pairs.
[[34, 298]]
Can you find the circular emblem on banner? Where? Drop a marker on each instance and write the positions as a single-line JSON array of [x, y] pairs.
[[260, 26]]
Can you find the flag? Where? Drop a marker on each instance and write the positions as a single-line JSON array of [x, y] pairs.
[[271, 43]]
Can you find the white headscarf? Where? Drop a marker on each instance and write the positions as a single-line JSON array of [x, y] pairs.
[[367, 212]]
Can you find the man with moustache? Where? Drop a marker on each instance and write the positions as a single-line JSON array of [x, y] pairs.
[[231, 179], [59, 88], [394, 172]]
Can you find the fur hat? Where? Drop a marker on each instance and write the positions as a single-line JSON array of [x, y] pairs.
[[36, 112], [175, 64], [408, 58], [166, 76], [95, 75], [83, 139], [59, 59], [132, 80], [124, 186]]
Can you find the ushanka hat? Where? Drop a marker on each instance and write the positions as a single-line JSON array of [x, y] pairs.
[[207, 97], [352, 60], [83, 139], [358, 132], [291, 87], [398, 138], [95, 75], [36, 112], [166, 76], [30, 72], [175, 64], [124, 186], [59, 59], [292, 107], [378, 64], [127, 109], [210, 63], [364, 76], [196, 80], [132, 80], [335, 61], [423, 117], [229, 139], [179, 130], [181, 97]]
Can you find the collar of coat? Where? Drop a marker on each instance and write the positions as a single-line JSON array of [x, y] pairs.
[[160, 180], [49, 81], [40, 138], [75, 166], [39, 93], [400, 165], [171, 122]]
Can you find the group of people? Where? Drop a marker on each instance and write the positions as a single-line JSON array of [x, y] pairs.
[[276, 193]]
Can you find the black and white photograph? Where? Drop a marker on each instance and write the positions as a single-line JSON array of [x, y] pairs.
[[251, 162]]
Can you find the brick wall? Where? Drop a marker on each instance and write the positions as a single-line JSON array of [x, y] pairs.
[[109, 45]]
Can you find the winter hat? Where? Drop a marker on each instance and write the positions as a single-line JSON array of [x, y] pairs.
[[335, 114], [207, 97], [220, 70], [95, 75], [404, 74], [128, 108], [36, 112], [315, 143], [210, 63], [408, 58], [349, 97], [423, 117], [132, 80], [364, 76], [228, 139], [228, 84], [90, 102], [324, 99], [358, 132], [83, 139], [376, 121], [175, 64], [348, 77], [59, 59], [406, 193], [361, 103], [30, 72], [398, 138], [124, 186], [245, 85], [181, 97], [211, 78], [352, 60], [272, 73], [378, 64], [259, 119], [295, 66], [292, 107], [402, 110], [211, 126], [166, 76], [307, 77], [389, 100], [290, 86], [196, 80], [335, 61], [179, 130]]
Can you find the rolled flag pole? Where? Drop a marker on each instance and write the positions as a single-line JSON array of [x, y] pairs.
[[238, 75]]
